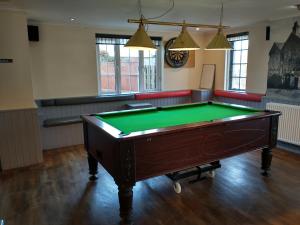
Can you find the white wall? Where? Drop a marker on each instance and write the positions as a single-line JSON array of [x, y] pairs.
[[215, 57], [258, 55], [185, 78], [19, 129], [15, 78], [64, 62]]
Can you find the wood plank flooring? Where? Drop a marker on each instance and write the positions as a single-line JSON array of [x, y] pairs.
[[58, 192]]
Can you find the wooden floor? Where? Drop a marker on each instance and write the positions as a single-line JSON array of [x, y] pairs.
[[59, 193]]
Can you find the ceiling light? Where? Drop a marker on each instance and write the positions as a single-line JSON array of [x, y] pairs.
[[219, 42], [184, 42], [140, 40]]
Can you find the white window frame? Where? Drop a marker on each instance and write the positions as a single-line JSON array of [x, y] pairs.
[[228, 64], [141, 84]]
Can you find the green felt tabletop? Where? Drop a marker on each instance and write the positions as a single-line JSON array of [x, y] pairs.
[[146, 119]]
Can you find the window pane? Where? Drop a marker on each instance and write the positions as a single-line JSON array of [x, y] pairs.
[[236, 70], [243, 83], [129, 69], [235, 83], [245, 44], [238, 59], [243, 70], [244, 58], [107, 68], [121, 69], [236, 56], [149, 70], [237, 45]]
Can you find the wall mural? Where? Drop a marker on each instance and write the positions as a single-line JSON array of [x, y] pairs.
[[284, 66]]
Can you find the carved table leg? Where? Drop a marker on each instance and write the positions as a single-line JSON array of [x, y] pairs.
[[93, 167], [125, 201], [266, 157]]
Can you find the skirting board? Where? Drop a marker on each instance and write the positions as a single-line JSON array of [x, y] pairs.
[[288, 147]]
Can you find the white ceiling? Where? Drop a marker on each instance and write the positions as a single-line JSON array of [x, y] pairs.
[[114, 13]]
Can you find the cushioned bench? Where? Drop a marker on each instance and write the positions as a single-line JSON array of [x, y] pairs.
[[239, 95], [83, 100]]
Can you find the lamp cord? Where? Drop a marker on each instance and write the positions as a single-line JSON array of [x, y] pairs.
[[172, 3], [140, 8], [156, 17], [221, 16]]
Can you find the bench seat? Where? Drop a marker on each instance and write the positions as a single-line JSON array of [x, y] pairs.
[[62, 121], [239, 95]]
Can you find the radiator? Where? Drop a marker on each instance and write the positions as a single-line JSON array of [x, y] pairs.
[[289, 122]]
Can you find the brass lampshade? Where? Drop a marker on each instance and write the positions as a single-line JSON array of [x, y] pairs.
[[140, 40], [184, 42], [219, 42]]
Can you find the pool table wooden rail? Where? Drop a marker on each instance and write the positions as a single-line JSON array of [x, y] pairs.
[[140, 155], [118, 134]]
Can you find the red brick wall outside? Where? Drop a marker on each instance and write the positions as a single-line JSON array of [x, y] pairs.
[[129, 76]]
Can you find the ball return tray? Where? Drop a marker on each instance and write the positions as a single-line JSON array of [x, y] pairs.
[[195, 171]]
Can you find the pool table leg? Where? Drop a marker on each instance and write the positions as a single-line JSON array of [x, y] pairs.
[[125, 201], [266, 159], [93, 167]]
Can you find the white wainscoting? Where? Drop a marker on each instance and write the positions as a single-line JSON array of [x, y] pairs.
[[20, 142]]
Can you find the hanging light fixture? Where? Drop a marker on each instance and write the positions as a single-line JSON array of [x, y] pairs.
[[184, 42], [219, 42], [140, 40]]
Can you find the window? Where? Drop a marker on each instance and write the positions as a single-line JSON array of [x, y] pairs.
[[237, 61], [123, 70]]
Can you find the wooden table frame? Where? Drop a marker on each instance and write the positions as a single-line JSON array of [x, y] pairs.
[[141, 155]]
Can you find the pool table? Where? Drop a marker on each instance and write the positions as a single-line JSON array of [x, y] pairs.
[[133, 145]]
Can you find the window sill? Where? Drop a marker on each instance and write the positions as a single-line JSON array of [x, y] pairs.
[[84, 100], [237, 91]]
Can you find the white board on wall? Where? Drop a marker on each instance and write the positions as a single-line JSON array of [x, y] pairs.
[[207, 76]]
